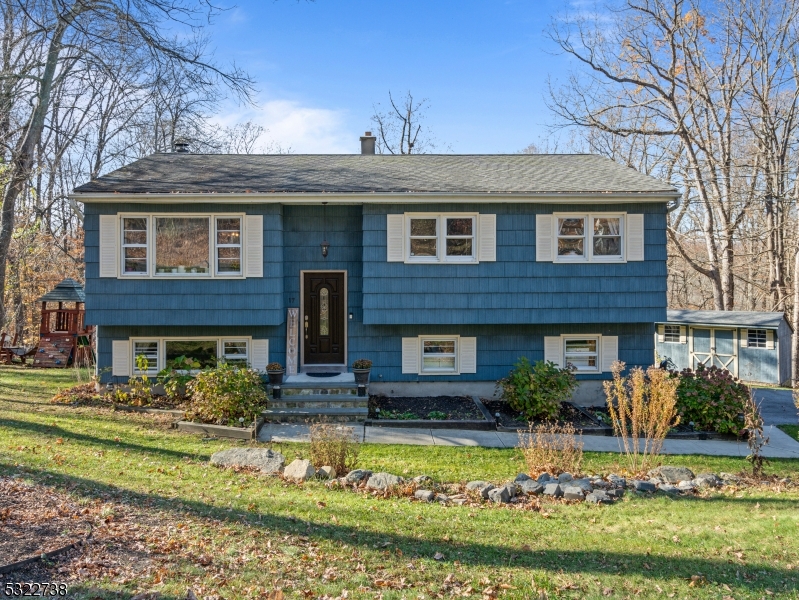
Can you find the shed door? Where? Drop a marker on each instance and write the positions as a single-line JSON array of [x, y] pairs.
[[323, 319], [715, 347]]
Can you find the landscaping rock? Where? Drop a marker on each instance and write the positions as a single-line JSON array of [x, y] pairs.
[[599, 497], [424, 495], [442, 498], [383, 481], [522, 477], [729, 477], [357, 475], [572, 492], [474, 486], [326, 472], [420, 479], [668, 488], [706, 480], [617, 480], [672, 474], [686, 486], [544, 478], [500, 495], [531, 487], [553, 489], [614, 492], [643, 486], [601, 483], [268, 461], [584, 484], [299, 470], [565, 478]]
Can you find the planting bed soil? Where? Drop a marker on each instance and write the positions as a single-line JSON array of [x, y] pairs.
[[85, 394], [511, 419], [443, 408]]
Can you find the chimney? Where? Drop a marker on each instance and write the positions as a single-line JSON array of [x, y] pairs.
[[181, 146], [368, 143]]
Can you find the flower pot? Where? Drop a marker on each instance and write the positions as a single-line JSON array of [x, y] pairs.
[[361, 375], [276, 377]]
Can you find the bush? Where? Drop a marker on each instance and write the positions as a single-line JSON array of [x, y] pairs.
[[225, 394], [334, 446], [362, 363], [176, 376], [551, 448], [537, 391], [712, 399]]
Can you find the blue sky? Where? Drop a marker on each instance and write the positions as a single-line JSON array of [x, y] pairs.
[[321, 66]]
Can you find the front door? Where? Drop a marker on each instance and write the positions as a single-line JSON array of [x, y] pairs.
[[323, 319]]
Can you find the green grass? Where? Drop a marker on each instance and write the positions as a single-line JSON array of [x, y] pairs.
[[791, 430], [264, 534]]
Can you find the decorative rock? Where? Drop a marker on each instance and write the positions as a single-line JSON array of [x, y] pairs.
[[599, 497], [614, 493], [601, 483], [268, 461], [474, 486], [643, 486], [383, 481], [672, 474], [522, 477], [424, 495], [729, 477], [500, 495], [584, 484], [420, 479], [572, 492], [485, 490], [669, 489], [617, 480], [686, 486], [531, 487], [544, 478], [326, 472], [553, 489], [442, 498], [706, 480], [565, 478], [299, 470], [357, 475]]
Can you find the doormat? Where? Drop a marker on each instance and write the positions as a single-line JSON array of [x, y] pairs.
[[322, 374]]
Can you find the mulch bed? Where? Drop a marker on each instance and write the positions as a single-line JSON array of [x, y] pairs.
[[514, 419], [86, 395], [456, 408]]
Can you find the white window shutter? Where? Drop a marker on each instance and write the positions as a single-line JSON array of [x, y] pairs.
[[661, 333], [410, 355], [467, 348], [109, 236], [544, 234], [553, 350], [254, 230], [682, 334], [610, 351], [120, 358], [769, 339], [487, 230], [259, 354], [744, 338], [395, 239], [635, 237]]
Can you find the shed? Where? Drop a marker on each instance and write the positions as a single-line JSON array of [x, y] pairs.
[[753, 346]]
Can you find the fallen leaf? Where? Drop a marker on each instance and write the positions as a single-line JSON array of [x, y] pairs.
[[438, 556]]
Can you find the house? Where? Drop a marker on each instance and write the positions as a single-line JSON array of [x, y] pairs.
[[441, 269], [753, 346]]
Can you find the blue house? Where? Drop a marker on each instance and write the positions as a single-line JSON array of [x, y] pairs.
[[441, 269]]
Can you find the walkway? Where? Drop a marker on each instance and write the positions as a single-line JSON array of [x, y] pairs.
[[781, 445], [776, 406]]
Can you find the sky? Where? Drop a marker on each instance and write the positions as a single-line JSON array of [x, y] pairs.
[[321, 67]]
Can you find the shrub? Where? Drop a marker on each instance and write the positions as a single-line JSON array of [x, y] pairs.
[[641, 405], [334, 446], [551, 448], [225, 394], [362, 363], [140, 391], [537, 391], [177, 375], [712, 399]]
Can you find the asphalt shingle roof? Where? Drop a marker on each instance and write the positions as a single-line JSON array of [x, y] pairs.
[[357, 173], [68, 290], [731, 318]]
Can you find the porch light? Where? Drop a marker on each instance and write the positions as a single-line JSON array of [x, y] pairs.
[[325, 245]]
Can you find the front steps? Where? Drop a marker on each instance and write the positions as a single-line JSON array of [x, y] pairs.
[[307, 399]]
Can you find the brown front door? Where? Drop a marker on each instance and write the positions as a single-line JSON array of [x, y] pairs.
[[323, 321]]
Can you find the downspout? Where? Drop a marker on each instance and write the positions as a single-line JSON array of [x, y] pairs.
[[672, 207]]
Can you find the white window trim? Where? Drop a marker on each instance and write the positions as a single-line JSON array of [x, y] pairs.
[[665, 334], [162, 347], [441, 239], [151, 258], [588, 246], [765, 338], [151, 370], [586, 336], [455, 338]]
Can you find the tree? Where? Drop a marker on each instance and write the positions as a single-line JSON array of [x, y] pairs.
[[401, 130]]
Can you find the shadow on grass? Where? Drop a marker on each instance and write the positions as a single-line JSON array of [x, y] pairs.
[[756, 576]]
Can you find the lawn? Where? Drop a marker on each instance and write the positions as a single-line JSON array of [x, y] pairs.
[[791, 430], [228, 534]]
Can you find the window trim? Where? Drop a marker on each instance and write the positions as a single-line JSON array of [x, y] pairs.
[[151, 257], [586, 336], [749, 339], [441, 238], [161, 340], [454, 338], [588, 237], [666, 339]]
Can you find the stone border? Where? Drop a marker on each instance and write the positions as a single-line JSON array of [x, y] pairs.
[[222, 431], [487, 424], [173, 412]]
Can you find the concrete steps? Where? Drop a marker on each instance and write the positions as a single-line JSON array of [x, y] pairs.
[[305, 399]]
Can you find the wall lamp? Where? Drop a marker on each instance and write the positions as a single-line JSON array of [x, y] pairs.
[[325, 246]]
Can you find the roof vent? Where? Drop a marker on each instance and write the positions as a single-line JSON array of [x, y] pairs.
[[181, 146], [368, 143]]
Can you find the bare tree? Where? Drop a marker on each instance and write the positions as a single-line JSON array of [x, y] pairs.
[[401, 129]]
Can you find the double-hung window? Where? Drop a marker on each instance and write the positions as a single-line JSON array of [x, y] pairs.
[[228, 245], [148, 351], [441, 238], [582, 353], [439, 355], [235, 351], [594, 238], [134, 245]]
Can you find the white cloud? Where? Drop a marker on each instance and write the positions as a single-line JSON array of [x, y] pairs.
[[304, 129]]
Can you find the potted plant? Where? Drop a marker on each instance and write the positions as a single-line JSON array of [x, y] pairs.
[[361, 368], [275, 371]]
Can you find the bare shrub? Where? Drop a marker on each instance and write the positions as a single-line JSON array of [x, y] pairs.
[[756, 438], [643, 407], [334, 446], [551, 447]]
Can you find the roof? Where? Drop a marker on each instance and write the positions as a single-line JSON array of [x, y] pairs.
[[730, 318], [363, 173], [68, 290]]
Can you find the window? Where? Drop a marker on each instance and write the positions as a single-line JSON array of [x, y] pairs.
[[149, 350], [181, 245], [235, 351], [595, 238], [203, 351], [134, 245], [228, 245], [441, 238], [162, 353], [671, 334], [756, 338], [439, 355], [582, 353]]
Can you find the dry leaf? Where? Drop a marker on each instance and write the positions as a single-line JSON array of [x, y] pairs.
[[438, 556]]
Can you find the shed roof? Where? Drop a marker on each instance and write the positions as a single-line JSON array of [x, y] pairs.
[[68, 290], [178, 173], [730, 318]]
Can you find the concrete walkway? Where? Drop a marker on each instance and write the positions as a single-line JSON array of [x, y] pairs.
[[780, 446]]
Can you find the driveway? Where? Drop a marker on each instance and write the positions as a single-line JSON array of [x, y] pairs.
[[777, 406]]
